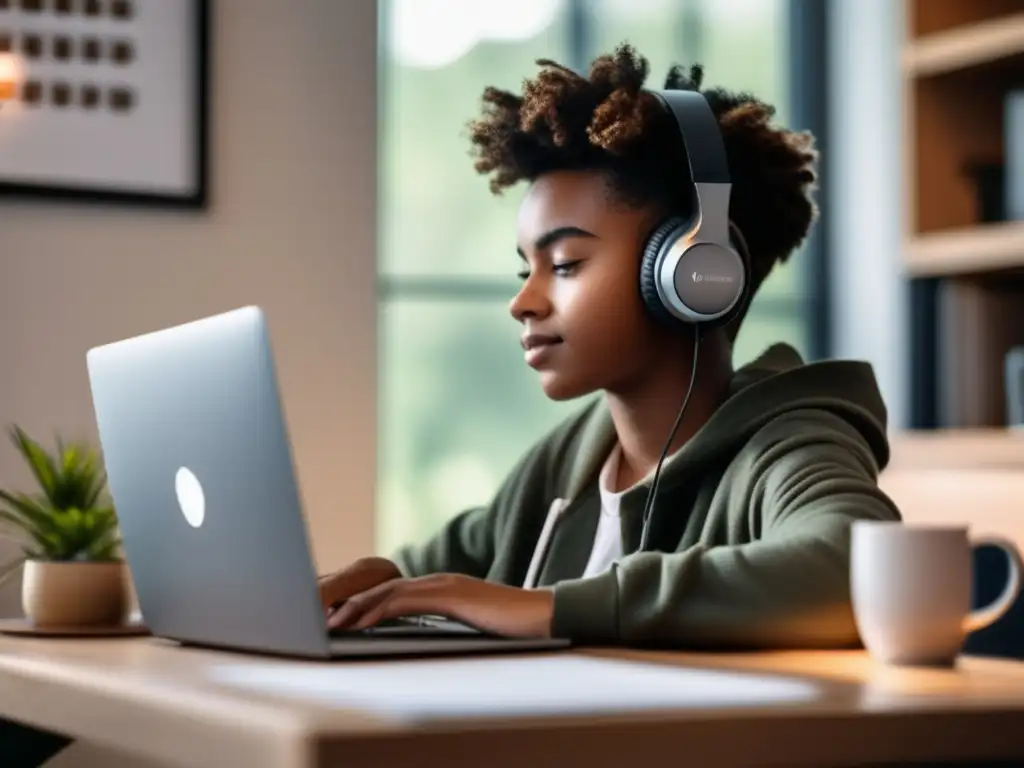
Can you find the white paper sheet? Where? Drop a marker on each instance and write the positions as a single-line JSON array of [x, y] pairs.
[[426, 690]]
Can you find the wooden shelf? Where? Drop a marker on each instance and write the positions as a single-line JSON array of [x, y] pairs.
[[972, 477], [958, 449], [973, 250], [966, 46]]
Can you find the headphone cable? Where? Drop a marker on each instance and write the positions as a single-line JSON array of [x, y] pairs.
[[649, 503]]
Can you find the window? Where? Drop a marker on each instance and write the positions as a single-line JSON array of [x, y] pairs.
[[458, 407]]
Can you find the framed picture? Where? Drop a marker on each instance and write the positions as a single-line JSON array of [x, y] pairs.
[[105, 100]]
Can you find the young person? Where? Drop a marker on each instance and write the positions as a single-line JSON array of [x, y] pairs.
[[747, 542]]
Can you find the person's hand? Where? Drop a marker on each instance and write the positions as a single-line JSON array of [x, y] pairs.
[[365, 573], [482, 604]]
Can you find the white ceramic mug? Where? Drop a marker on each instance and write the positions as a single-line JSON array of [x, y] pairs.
[[911, 590]]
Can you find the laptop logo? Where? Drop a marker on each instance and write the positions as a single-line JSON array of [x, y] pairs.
[[190, 497]]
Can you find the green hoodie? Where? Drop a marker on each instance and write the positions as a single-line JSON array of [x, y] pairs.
[[749, 539]]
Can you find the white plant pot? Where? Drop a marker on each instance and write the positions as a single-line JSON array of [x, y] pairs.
[[75, 594]]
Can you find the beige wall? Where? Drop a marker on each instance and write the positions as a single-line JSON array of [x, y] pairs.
[[291, 227]]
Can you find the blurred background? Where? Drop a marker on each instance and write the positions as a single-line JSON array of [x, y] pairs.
[[311, 157], [165, 160], [458, 407]]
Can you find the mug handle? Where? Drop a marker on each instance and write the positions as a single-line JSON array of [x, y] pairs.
[[983, 617]]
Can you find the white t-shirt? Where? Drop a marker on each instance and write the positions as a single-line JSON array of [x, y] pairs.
[[608, 539]]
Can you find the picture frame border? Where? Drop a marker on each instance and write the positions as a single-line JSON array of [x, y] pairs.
[[197, 200]]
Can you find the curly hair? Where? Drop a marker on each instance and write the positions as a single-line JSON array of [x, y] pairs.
[[607, 121]]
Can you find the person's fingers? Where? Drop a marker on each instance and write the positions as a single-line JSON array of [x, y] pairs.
[[327, 590], [392, 599], [355, 606], [342, 586], [359, 577], [376, 614], [404, 600]]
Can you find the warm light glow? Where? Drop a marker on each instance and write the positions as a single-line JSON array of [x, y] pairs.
[[732, 13], [436, 33], [10, 75]]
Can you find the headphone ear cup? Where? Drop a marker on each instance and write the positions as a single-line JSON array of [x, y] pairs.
[[662, 234]]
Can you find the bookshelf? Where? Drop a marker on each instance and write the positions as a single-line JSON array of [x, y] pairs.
[[963, 256], [959, 63]]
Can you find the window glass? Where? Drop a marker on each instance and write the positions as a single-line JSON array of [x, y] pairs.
[[458, 406]]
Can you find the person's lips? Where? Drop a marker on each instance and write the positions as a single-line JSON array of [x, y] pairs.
[[539, 347]]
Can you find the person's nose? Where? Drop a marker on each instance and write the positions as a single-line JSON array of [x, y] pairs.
[[532, 301]]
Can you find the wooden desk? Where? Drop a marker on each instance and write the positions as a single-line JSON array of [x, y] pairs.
[[164, 703]]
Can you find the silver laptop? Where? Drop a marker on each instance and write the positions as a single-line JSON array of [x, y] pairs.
[[201, 472]]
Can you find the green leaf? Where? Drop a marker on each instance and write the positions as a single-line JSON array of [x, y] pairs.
[[44, 540], [92, 494], [69, 457], [38, 460], [30, 510], [18, 522], [107, 548], [71, 518]]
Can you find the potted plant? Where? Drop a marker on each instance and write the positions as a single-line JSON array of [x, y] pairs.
[[70, 541]]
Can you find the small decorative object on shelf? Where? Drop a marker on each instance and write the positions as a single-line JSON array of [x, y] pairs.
[[1014, 137], [1014, 376], [989, 181], [75, 574]]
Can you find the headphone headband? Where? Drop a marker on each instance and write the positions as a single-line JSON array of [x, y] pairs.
[[691, 271], [702, 139]]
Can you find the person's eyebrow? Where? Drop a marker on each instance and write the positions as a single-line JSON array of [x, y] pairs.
[[552, 236]]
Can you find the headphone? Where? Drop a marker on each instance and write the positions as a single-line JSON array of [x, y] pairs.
[[696, 270]]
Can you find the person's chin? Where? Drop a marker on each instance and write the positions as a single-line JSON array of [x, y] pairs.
[[560, 387]]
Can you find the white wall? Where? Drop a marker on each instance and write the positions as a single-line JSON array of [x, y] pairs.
[[291, 227], [866, 203]]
